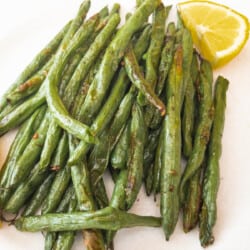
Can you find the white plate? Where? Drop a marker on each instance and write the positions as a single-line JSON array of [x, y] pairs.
[[26, 26]]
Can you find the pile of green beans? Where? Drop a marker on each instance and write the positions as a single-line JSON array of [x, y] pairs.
[[134, 101]]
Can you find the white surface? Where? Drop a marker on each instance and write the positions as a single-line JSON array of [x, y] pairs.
[[26, 26]]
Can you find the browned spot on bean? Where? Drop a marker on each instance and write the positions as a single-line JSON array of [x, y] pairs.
[[55, 168], [205, 135], [171, 188], [173, 172], [85, 88], [211, 112], [35, 136]]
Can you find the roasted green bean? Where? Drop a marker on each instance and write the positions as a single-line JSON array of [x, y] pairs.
[[202, 134], [171, 155], [108, 219], [211, 176]]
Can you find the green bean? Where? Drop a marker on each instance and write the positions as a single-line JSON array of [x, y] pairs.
[[115, 9], [192, 204], [77, 22], [154, 51], [80, 98], [158, 164], [188, 115], [157, 40], [61, 154], [65, 240], [187, 45], [38, 197], [157, 118], [25, 190], [9, 108], [180, 24], [76, 108], [118, 199], [35, 64], [74, 61], [50, 239], [136, 76], [152, 116], [54, 102], [171, 155], [75, 28], [69, 70], [64, 204], [82, 187], [57, 190], [166, 58], [120, 153], [99, 159], [108, 218], [211, 176], [148, 158], [149, 179], [118, 90], [128, 15], [139, 3], [119, 192], [22, 139], [150, 147], [120, 86], [20, 142], [31, 85], [84, 65], [80, 178], [135, 157], [105, 114], [46, 155], [100, 194], [111, 133], [119, 120], [178, 36], [21, 113], [31, 154], [202, 133], [104, 12], [112, 58], [52, 138], [79, 167], [114, 173], [56, 130], [121, 117], [62, 178]]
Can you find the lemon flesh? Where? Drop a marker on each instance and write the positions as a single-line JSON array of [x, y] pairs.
[[219, 33]]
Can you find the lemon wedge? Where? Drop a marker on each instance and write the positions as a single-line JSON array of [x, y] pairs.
[[218, 32]]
